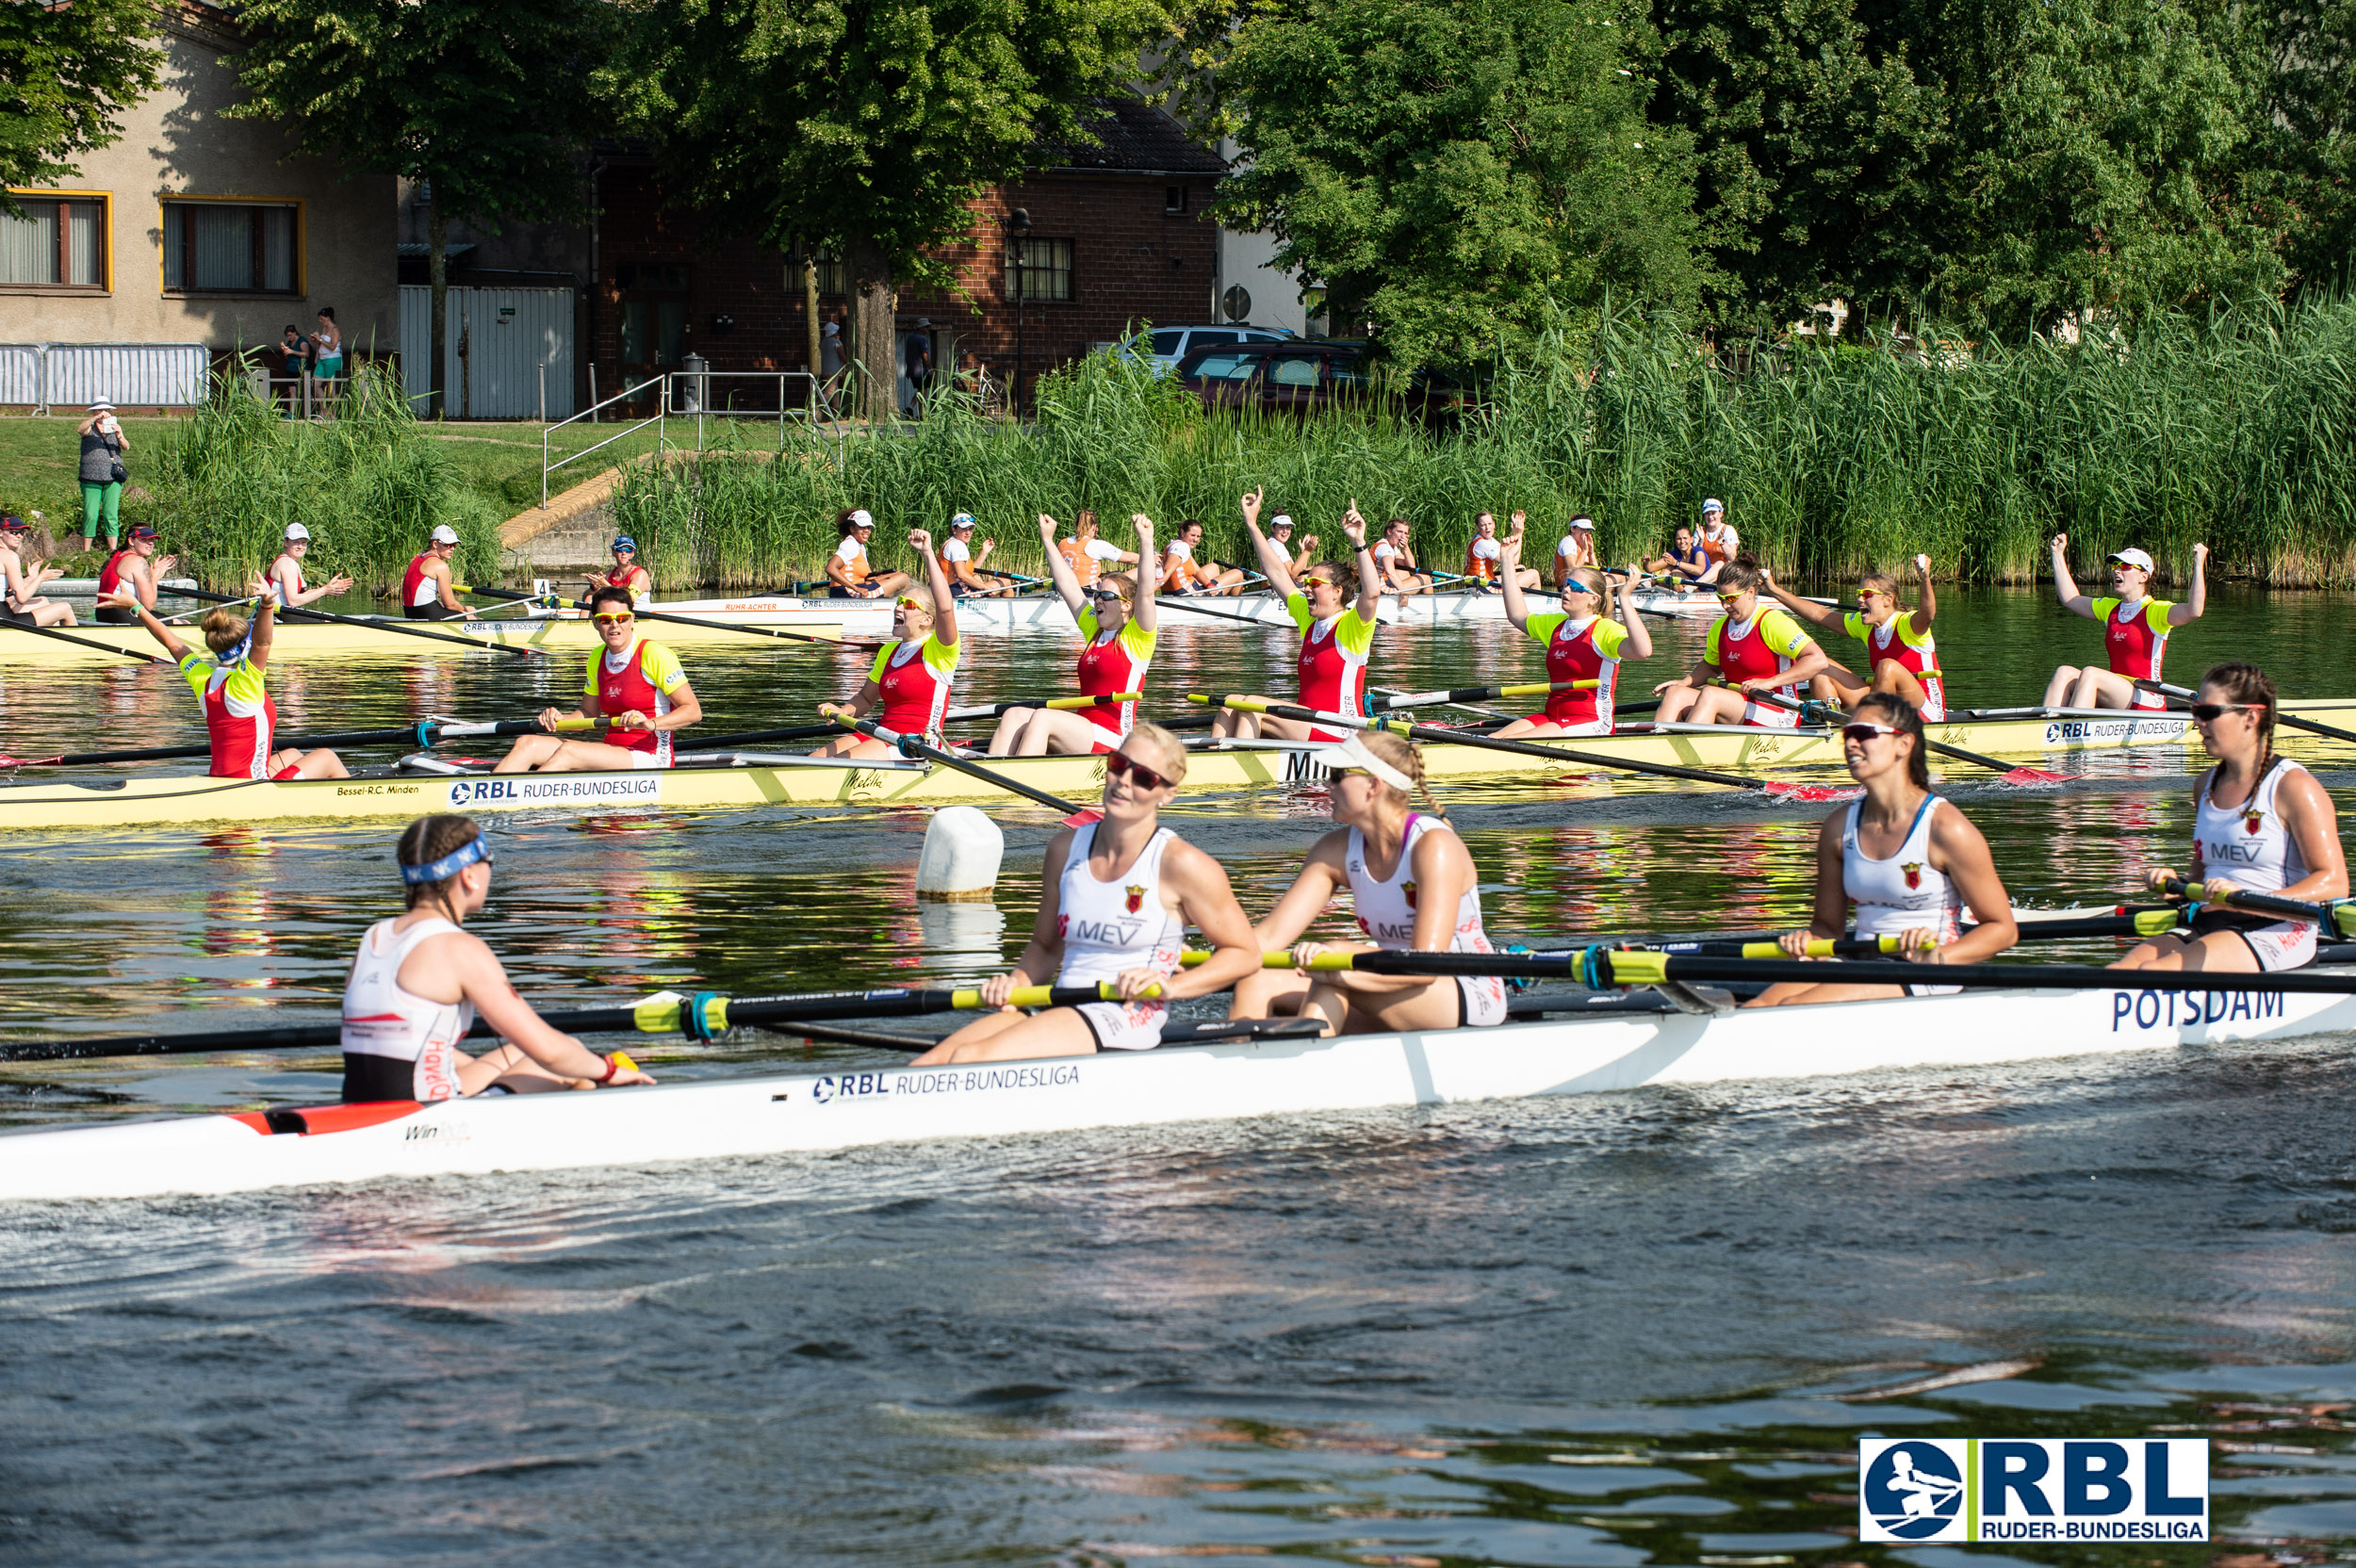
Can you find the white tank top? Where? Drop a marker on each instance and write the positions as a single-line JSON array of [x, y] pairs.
[[1903, 891], [2249, 843], [1121, 924], [1386, 910], [383, 1020], [278, 584]]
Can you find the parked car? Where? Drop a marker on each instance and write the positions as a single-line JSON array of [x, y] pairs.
[[1172, 344], [1299, 374]]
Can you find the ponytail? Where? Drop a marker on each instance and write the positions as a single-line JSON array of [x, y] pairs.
[[1407, 758]]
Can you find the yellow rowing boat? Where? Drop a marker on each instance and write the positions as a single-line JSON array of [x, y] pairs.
[[567, 631], [120, 802]]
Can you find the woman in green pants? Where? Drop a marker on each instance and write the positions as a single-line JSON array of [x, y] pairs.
[[103, 445]]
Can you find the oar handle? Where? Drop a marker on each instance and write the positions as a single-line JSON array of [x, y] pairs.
[[910, 745], [2241, 898], [995, 710]]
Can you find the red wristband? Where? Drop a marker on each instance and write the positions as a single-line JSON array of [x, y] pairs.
[[612, 1067]]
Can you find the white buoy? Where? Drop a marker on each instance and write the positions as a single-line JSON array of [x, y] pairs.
[[962, 848]]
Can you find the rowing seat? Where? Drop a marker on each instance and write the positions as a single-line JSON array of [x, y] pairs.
[[304, 1120]]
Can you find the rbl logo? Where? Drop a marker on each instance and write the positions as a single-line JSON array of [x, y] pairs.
[[2033, 1489]]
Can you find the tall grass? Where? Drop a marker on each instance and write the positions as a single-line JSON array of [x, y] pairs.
[[2236, 429], [367, 483]]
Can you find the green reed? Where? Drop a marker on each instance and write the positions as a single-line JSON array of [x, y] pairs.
[[367, 481], [2237, 429]]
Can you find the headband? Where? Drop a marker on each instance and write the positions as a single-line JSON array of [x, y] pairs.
[[860, 519], [476, 848], [1352, 753]]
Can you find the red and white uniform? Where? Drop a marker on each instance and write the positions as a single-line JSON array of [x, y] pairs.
[[383, 1022], [1580, 650], [637, 582], [640, 681], [2135, 637], [1896, 641], [110, 575], [240, 717], [1114, 662], [285, 569], [915, 679], [1333, 661], [1385, 907], [416, 587], [1766, 645]]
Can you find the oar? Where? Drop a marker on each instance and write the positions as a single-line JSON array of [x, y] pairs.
[[499, 596], [779, 634], [2280, 717], [1174, 602], [1490, 743], [915, 745], [758, 737], [703, 1016], [1465, 696], [420, 734], [399, 628], [2339, 915], [993, 710], [85, 643], [2005, 773]]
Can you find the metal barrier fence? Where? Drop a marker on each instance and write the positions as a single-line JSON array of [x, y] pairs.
[[160, 375], [681, 393]]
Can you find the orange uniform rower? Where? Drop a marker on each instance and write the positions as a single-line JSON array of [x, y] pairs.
[[848, 575], [1088, 556], [1186, 572]]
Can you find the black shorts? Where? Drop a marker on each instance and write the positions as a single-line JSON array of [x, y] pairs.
[[17, 617], [432, 613], [836, 591], [112, 615]]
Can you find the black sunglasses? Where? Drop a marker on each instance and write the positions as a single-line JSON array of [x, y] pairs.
[[1117, 765], [2209, 712]]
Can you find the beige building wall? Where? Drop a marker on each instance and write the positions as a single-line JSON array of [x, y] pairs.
[[179, 143]]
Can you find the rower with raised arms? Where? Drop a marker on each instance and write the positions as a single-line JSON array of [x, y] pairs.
[[1336, 635], [1907, 859], [966, 569], [2134, 629], [911, 676], [1752, 652], [1116, 897], [418, 980], [627, 573], [285, 573], [428, 591], [133, 568], [1485, 560], [633, 683], [1414, 889], [1575, 549], [848, 574], [1585, 639], [2261, 823], [23, 579], [1394, 564], [1117, 618], [232, 686], [1900, 651]]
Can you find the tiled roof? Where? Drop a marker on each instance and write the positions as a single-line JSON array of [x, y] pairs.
[[1135, 138]]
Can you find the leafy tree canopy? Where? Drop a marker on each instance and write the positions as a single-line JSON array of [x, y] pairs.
[[67, 72]]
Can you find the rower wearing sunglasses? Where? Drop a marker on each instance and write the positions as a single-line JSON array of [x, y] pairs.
[[1901, 655], [910, 677], [2134, 629], [1414, 889], [1115, 900], [1584, 641], [1908, 860], [1119, 651], [634, 685], [628, 575], [2261, 823], [1336, 635], [1752, 651]]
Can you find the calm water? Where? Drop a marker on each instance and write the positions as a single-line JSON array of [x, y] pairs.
[[1616, 1331]]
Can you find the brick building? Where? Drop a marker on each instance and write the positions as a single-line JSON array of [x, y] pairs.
[[1120, 234]]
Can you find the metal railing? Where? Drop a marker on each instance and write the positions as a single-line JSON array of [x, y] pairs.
[[681, 393], [306, 396]]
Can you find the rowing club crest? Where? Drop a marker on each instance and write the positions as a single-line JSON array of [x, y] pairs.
[[2252, 821], [1136, 896], [1408, 889], [1914, 875]]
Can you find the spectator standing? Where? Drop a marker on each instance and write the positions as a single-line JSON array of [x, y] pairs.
[[916, 358], [328, 365], [102, 474], [294, 352]]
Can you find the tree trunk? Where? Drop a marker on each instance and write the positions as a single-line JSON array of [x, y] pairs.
[[810, 319], [438, 268], [876, 302]]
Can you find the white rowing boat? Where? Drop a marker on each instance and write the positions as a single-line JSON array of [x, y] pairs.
[[1046, 613], [896, 1103]]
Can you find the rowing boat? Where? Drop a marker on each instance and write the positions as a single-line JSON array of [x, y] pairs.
[[1612, 1049], [118, 802], [1047, 613], [561, 631]]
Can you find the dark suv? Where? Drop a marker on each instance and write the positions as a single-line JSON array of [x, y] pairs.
[[1298, 375]]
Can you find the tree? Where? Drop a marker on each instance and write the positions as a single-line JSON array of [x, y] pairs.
[[869, 125], [67, 72], [2304, 58], [1458, 170], [487, 100]]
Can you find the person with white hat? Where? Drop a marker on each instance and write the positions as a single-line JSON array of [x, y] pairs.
[[428, 591], [848, 574], [1414, 889], [965, 571], [103, 473], [2134, 631], [285, 573], [1576, 549], [1718, 535], [1280, 534]]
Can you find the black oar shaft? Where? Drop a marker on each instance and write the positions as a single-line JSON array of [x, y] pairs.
[[416, 734], [385, 623], [758, 737], [912, 745], [773, 633], [56, 635]]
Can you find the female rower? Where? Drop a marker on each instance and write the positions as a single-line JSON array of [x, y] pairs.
[[1336, 635], [2134, 631], [240, 717], [1188, 572], [1900, 654], [1280, 534], [1087, 555], [1759, 651], [627, 574], [1718, 537], [848, 575], [428, 593], [1120, 650], [1394, 562], [1114, 904], [1686, 563], [2262, 824], [635, 686], [135, 569], [966, 569], [23, 580], [911, 676], [1414, 889], [418, 980], [285, 573], [1484, 560], [1909, 862], [1584, 640], [1575, 549]]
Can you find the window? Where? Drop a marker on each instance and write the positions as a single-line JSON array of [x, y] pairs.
[[1233, 368], [834, 274], [1173, 198], [652, 277], [1212, 339], [231, 247], [1292, 372], [1167, 342], [60, 242], [1038, 269]]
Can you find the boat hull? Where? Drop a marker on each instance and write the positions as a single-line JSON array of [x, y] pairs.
[[902, 1105], [1047, 613]]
